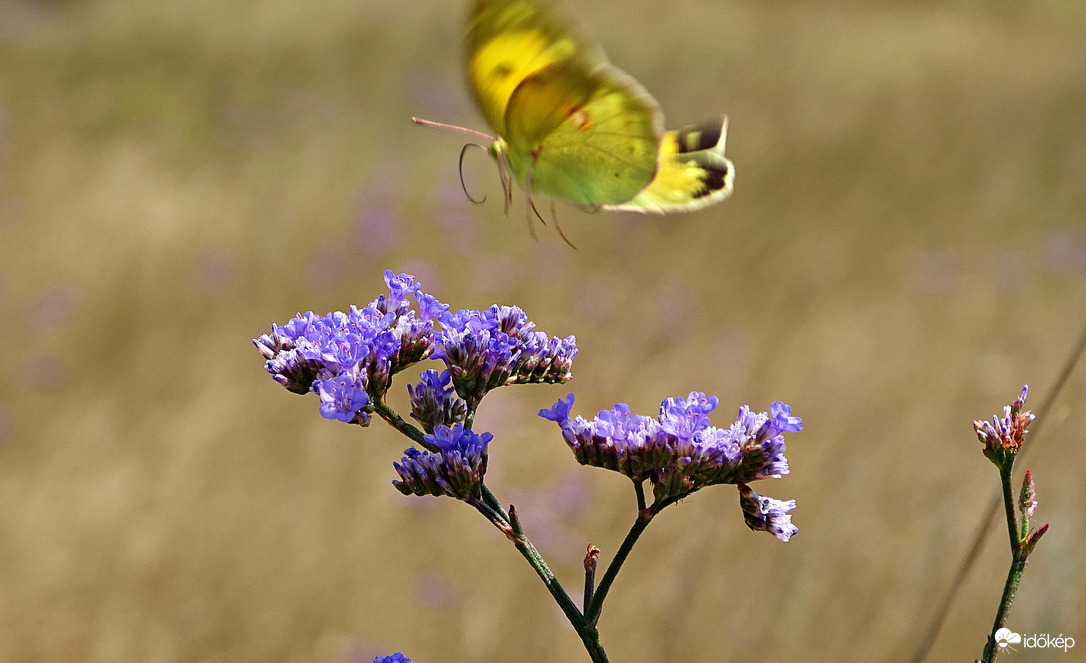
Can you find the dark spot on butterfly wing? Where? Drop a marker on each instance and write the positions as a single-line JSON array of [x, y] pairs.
[[714, 179], [696, 137]]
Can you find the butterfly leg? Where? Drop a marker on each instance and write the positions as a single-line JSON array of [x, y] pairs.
[[529, 205], [554, 216]]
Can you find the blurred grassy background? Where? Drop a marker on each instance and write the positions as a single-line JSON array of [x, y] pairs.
[[905, 248]]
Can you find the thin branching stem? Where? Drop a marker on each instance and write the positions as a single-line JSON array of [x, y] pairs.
[[493, 503], [1019, 553], [393, 419], [639, 489], [528, 551], [644, 517], [1010, 588]]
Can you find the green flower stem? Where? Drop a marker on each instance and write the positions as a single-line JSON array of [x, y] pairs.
[[1009, 590], [493, 503], [525, 547], [396, 421], [1005, 472], [591, 640], [639, 490], [589, 636], [644, 517], [1018, 564], [590, 561]]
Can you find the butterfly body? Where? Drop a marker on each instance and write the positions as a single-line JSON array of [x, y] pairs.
[[574, 127]]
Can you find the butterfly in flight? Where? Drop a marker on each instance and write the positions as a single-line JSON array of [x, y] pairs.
[[572, 126]]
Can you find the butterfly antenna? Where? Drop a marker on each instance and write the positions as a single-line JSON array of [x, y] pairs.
[[451, 127], [937, 621], [462, 184]]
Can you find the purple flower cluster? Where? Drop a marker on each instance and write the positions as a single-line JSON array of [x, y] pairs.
[[1002, 438], [679, 451], [434, 402], [349, 359], [499, 346], [455, 470], [394, 658]]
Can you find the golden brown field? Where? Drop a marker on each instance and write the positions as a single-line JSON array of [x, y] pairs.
[[905, 248]]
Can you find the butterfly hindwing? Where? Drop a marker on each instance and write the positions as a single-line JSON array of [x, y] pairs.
[[693, 171]]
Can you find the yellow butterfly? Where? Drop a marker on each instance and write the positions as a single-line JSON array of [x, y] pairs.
[[574, 127]]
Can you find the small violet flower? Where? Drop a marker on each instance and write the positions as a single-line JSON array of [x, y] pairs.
[[434, 402], [343, 397], [1002, 438], [764, 514], [394, 658], [456, 469]]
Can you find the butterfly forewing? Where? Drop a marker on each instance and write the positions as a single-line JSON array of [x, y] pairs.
[[509, 40], [589, 137]]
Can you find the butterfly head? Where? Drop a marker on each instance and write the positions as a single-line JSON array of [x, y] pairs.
[[497, 150], [500, 155]]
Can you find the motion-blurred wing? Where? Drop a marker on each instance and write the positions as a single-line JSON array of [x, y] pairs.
[[693, 172]]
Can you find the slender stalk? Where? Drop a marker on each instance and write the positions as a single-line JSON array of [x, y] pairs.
[[1005, 472], [591, 640], [493, 503], [490, 508], [396, 421], [590, 637], [591, 560], [935, 625], [528, 551], [644, 517], [1019, 553], [639, 490], [1014, 575]]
